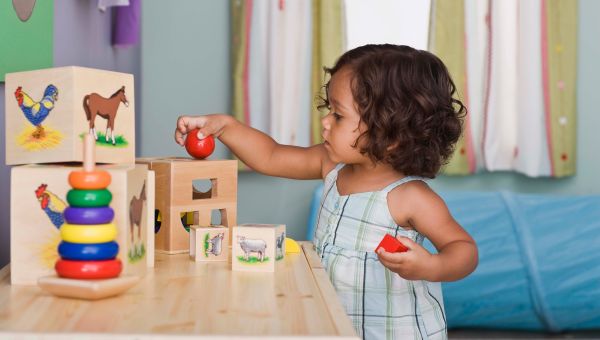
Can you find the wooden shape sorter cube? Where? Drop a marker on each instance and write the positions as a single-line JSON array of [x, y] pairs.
[[38, 198], [49, 111], [209, 243], [257, 247], [176, 195]]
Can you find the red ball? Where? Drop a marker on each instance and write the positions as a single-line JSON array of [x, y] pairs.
[[199, 148]]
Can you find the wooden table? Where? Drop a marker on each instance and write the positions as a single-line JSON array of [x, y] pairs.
[[185, 298]]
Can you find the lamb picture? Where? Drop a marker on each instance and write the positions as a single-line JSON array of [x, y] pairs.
[[249, 246]]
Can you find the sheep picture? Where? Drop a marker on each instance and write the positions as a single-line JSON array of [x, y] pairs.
[[249, 246]]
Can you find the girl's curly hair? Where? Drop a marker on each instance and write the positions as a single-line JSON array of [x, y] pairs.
[[406, 99]]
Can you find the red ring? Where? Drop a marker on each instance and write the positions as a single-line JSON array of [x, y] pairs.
[[88, 270]]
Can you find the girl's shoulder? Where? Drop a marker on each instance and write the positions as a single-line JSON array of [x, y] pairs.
[[414, 190], [412, 197]]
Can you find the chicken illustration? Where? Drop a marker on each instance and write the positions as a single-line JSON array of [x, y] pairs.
[[36, 112], [51, 204]]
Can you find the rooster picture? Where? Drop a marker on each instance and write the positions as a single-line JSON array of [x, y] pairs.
[[51, 205], [37, 112]]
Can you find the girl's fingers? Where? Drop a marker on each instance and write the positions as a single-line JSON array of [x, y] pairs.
[[181, 130], [178, 137], [390, 257], [408, 243], [182, 123]]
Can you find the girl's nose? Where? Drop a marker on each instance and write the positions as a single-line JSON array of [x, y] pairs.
[[325, 121]]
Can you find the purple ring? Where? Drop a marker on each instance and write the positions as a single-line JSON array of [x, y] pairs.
[[97, 215]]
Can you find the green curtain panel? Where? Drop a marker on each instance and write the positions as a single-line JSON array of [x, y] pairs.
[[327, 47], [241, 12], [241, 16], [447, 41], [559, 48]]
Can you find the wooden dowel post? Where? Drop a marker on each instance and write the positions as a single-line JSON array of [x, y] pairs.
[[89, 156]]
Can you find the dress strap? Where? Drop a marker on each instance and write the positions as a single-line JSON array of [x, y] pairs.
[[333, 173], [401, 181]]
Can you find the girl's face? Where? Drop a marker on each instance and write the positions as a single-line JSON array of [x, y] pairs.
[[342, 125]]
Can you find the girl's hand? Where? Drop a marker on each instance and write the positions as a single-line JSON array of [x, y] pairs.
[[207, 125], [415, 264]]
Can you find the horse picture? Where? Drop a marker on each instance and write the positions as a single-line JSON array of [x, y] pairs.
[[136, 205], [94, 104]]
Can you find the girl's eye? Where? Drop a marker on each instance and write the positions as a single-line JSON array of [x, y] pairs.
[[336, 116]]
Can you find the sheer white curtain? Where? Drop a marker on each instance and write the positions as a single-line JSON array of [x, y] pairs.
[[401, 22], [278, 70]]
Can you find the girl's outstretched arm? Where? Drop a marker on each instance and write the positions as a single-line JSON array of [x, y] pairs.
[[256, 149]]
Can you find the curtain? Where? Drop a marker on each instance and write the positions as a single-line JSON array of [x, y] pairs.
[[328, 43], [447, 40], [271, 58], [517, 76]]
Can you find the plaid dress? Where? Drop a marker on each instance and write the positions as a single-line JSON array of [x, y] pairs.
[[380, 303]]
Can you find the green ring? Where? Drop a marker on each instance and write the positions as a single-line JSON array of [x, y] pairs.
[[89, 198]]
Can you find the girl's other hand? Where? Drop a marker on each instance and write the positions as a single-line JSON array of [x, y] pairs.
[[415, 264]]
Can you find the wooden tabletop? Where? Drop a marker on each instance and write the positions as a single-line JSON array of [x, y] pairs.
[[185, 298]]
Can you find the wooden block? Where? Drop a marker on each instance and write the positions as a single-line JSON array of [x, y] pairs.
[[150, 220], [175, 195], [257, 247], [209, 243], [87, 289], [71, 91], [391, 244], [35, 230]]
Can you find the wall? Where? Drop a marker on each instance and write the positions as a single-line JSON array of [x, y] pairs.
[[81, 37]]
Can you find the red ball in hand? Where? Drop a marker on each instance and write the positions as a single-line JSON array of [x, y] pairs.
[[199, 148]]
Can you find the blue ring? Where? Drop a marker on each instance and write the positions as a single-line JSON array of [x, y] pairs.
[[88, 251], [98, 215]]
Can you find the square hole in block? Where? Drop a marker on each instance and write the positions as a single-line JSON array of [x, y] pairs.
[[204, 188], [216, 217]]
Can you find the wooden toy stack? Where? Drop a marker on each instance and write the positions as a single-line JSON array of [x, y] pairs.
[[176, 195], [51, 113], [88, 249]]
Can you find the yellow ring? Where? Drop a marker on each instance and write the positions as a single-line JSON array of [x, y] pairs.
[[88, 233]]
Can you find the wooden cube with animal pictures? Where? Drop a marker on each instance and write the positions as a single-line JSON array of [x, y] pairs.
[[191, 192], [38, 199], [209, 243], [257, 247], [49, 111]]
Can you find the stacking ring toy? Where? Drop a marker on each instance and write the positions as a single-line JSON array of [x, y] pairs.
[[89, 180], [81, 233], [99, 215], [88, 252], [88, 269], [89, 198]]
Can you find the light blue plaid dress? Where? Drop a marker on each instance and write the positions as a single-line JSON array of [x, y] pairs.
[[380, 303]]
